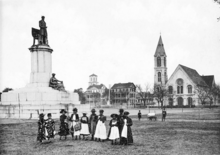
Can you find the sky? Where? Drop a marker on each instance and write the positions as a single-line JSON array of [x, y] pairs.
[[114, 39]]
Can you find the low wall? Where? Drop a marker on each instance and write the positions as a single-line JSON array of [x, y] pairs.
[[32, 111]]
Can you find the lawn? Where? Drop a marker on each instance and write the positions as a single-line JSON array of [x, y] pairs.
[[182, 133]]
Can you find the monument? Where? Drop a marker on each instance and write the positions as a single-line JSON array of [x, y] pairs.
[[44, 93]]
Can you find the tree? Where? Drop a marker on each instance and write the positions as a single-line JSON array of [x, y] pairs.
[[218, 2], [7, 89], [202, 92], [160, 92], [82, 97], [213, 93], [143, 93]]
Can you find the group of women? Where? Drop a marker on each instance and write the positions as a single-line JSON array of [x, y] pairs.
[[93, 127]]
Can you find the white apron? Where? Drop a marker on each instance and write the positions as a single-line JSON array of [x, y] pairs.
[[125, 129], [100, 131], [114, 132], [76, 133], [84, 128]]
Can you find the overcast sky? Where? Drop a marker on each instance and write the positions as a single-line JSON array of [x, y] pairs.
[[114, 39]]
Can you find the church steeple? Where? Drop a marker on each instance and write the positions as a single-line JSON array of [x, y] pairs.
[[160, 48], [160, 64]]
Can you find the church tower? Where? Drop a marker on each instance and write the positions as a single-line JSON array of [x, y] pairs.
[[160, 64], [93, 80]]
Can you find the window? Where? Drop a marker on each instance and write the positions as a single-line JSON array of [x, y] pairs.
[[158, 61], [159, 76], [165, 61], [179, 86], [189, 89], [170, 90]]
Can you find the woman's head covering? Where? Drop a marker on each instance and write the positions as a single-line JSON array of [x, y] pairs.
[[75, 109], [49, 114], [126, 113], [93, 110], [121, 110], [101, 111], [63, 110], [114, 115], [41, 115]]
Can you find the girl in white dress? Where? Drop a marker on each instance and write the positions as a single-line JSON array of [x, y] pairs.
[[100, 132], [113, 131], [85, 126]]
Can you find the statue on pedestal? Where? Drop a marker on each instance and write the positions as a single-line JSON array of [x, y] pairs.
[[40, 35], [56, 84]]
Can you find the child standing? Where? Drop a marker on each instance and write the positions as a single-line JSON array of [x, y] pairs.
[[50, 126], [75, 129], [85, 126], [64, 127], [100, 132], [164, 114], [113, 131], [41, 128], [126, 134], [139, 115], [92, 123]]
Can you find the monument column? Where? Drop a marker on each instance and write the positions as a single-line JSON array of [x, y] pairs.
[[41, 65]]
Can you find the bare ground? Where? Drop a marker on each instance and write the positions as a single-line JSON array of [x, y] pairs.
[[182, 133]]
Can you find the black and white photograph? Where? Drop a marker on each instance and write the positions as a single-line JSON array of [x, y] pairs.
[[109, 77]]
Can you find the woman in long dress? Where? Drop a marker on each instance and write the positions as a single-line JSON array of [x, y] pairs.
[[64, 127], [126, 134], [85, 126], [75, 125], [92, 123], [41, 128], [50, 126], [100, 132], [113, 131]]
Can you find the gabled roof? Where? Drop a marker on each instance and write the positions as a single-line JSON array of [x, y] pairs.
[[123, 85], [209, 80], [194, 75], [96, 86], [92, 75], [160, 48]]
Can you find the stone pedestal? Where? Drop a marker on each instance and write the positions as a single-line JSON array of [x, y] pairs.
[[37, 94]]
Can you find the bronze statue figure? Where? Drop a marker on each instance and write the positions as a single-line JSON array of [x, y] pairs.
[[40, 35], [56, 84], [43, 30]]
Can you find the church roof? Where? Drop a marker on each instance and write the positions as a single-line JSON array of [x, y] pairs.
[[209, 79], [96, 86], [92, 75], [194, 75], [122, 85], [160, 51]]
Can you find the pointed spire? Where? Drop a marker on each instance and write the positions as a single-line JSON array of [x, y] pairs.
[[160, 49]]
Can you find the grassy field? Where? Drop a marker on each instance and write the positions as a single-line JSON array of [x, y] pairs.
[[182, 133]]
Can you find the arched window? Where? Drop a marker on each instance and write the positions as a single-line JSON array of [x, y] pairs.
[[189, 89], [170, 90], [165, 62], [170, 102], [179, 86], [158, 61], [159, 76], [189, 101], [180, 101]]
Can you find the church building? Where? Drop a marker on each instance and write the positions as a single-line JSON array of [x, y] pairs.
[[182, 83]]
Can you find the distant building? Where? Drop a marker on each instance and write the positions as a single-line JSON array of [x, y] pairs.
[[123, 93], [94, 93], [182, 84]]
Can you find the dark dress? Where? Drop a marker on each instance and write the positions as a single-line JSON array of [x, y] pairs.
[[139, 115], [41, 131], [64, 127], [164, 114], [50, 126], [129, 139], [120, 124], [92, 123]]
